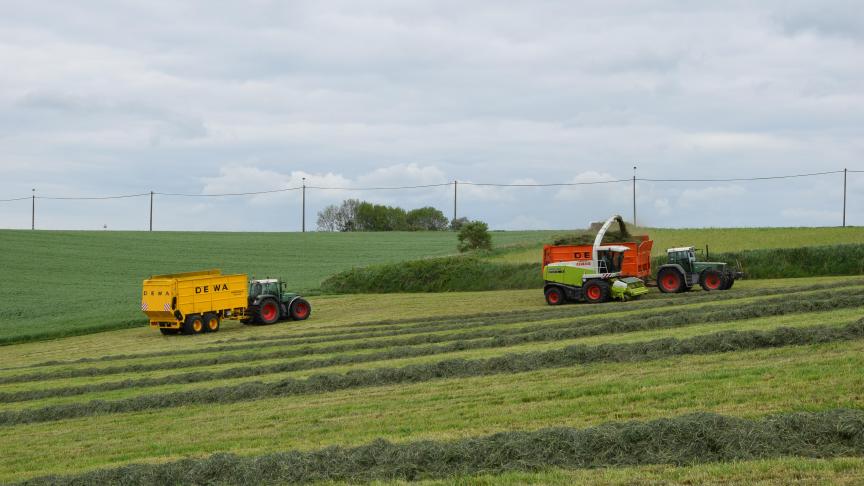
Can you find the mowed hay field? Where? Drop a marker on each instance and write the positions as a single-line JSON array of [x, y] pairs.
[[761, 383], [59, 283]]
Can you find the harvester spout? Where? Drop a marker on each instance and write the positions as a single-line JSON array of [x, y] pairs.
[[599, 239]]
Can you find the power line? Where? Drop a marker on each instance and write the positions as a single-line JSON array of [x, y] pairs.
[[253, 193], [555, 184], [23, 198], [79, 198], [743, 179], [392, 188]]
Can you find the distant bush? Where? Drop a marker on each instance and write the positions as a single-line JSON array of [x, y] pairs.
[[457, 223], [355, 215], [474, 236], [445, 274]]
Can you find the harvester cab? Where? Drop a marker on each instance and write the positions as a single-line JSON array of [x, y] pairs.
[[683, 270], [593, 276], [270, 302]]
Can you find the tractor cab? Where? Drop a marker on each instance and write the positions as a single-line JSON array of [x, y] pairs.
[[270, 286], [684, 256]]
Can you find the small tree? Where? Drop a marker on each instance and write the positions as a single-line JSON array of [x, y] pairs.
[[474, 236]]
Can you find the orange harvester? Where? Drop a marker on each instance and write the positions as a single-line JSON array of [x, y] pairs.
[[637, 258]]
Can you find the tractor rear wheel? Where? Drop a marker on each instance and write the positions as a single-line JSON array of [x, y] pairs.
[[712, 280], [300, 310], [268, 311], [670, 281], [555, 296], [193, 325], [596, 291], [211, 322]]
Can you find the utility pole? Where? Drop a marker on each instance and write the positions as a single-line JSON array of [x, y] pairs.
[[33, 212], [455, 188], [304, 205], [151, 211], [844, 196], [634, 195]]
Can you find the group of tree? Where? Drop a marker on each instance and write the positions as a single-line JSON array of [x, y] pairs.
[[356, 215]]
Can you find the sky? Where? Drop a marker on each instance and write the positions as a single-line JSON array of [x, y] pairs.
[[102, 98]]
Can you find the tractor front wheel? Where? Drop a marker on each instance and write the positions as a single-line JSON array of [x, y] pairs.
[[268, 311], [712, 280], [300, 310], [596, 291], [670, 281], [554, 296]]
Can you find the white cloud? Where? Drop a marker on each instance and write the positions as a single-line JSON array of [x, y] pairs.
[[713, 198]]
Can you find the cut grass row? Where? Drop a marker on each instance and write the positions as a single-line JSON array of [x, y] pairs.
[[747, 384], [486, 340], [686, 440], [825, 300], [512, 363], [67, 391]]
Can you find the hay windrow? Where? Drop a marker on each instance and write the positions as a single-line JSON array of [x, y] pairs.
[[684, 440], [727, 341], [478, 340], [393, 327], [503, 337]]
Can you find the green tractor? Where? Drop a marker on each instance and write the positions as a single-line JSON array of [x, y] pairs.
[[682, 272], [269, 302]]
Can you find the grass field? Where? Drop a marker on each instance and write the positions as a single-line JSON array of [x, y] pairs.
[[457, 367], [60, 283]]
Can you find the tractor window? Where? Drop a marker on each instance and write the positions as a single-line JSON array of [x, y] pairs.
[[256, 289]]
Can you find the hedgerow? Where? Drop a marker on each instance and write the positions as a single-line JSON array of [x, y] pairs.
[[480, 340], [463, 341], [685, 440], [726, 341]]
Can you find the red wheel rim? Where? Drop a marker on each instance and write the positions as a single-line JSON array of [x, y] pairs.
[[712, 281], [268, 312], [554, 297], [301, 310], [670, 281], [594, 293]]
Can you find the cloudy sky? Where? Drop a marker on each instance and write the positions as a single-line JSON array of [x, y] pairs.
[[117, 97]]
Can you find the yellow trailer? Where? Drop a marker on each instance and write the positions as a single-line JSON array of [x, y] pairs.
[[194, 302]]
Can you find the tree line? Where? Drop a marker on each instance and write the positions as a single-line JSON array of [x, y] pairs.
[[356, 215]]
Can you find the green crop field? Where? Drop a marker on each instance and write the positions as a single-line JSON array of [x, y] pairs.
[[57, 283], [761, 383]]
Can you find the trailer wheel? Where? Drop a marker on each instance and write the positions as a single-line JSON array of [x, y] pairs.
[[712, 280], [596, 291], [300, 310], [555, 296], [268, 311], [670, 281], [167, 332], [730, 281], [193, 325], [211, 322]]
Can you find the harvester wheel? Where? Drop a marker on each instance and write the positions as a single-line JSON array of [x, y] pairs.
[[211, 322], [300, 310], [670, 281], [555, 296], [268, 311], [596, 291], [712, 280], [193, 325]]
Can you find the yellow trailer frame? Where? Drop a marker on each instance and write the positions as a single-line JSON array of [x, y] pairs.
[[171, 300]]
